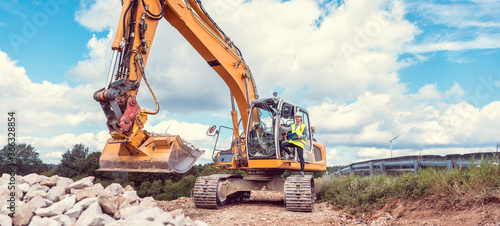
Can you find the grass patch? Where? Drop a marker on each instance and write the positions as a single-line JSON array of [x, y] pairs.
[[361, 194]]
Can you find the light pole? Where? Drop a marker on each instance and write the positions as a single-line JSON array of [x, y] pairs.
[[390, 142]]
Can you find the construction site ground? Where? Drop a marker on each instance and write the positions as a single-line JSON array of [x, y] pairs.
[[267, 208]]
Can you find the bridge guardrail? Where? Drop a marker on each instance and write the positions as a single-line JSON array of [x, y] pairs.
[[413, 163]]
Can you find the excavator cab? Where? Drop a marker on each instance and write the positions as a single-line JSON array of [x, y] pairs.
[[266, 131]]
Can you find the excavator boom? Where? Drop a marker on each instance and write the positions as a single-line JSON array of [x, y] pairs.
[[131, 148]]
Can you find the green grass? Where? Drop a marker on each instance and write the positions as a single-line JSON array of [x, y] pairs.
[[360, 194]]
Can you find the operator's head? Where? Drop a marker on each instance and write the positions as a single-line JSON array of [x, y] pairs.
[[298, 117]]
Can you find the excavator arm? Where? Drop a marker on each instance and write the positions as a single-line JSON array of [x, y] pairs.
[[131, 148]]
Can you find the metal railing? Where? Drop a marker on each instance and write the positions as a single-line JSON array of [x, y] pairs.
[[413, 163]]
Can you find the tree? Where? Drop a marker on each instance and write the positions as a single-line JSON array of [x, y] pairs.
[[79, 161], [72, 161], [91, 165], [23, 158]]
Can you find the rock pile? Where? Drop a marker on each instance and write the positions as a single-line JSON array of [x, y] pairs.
[[55, 200]]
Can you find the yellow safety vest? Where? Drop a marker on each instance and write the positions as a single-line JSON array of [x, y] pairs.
[[300, 132]]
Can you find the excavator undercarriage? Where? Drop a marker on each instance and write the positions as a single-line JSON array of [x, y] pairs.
[[214, 191]]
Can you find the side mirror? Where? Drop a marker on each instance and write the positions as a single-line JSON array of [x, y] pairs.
[[212, 131]]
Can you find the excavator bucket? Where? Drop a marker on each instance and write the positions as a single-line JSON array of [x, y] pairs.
[[158, 154]]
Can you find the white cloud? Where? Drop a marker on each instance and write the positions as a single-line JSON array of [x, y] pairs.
[[94, 69], [456, 27], [481, 14], [98, 15], [444, 127], [332, 157], [43, 106], [53, 155], [291, 53], [483, 41]]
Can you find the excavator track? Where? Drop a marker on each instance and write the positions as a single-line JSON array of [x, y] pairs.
[[206, 193], [299, 193]]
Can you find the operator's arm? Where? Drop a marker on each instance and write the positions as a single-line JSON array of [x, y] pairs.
[[285, 128]]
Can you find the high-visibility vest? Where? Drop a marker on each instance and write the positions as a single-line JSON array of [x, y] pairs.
[[299, 131]]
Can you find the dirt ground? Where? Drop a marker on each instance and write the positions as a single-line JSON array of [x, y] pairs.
[[267, 208]]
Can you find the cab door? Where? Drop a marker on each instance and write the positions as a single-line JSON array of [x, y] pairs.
[[308, 147]]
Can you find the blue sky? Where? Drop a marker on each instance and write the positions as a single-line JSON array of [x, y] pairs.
[[366, 71]]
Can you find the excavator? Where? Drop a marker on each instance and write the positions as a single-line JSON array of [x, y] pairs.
[[256, 149]]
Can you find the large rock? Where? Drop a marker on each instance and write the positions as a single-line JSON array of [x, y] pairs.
[[114, 189], [119, 200], [21, 180], [64, 182], [90, 192], [24, 187], [119, 223], [198, 223], [85, 203], [56, 208], [34, 187], [79, 207], [69, 202], [62, 197], [23, 215], [180, 220], [164, 219], [107, 204], [132, 194], [5, 220], [128, 212], [128, 188], [3, 182], [94, 216], [36, 202], [39, 221], [146, 216], [30, 195], [148, 202], [65, 220], [19, 194], [4, 193], [83, 183], [33, 178], [55, 192], [131, 197], [74, 212], [4, 210], [50, 182], [121, 207]]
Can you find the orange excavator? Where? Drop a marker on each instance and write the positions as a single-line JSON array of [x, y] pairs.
[[256, 150]]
